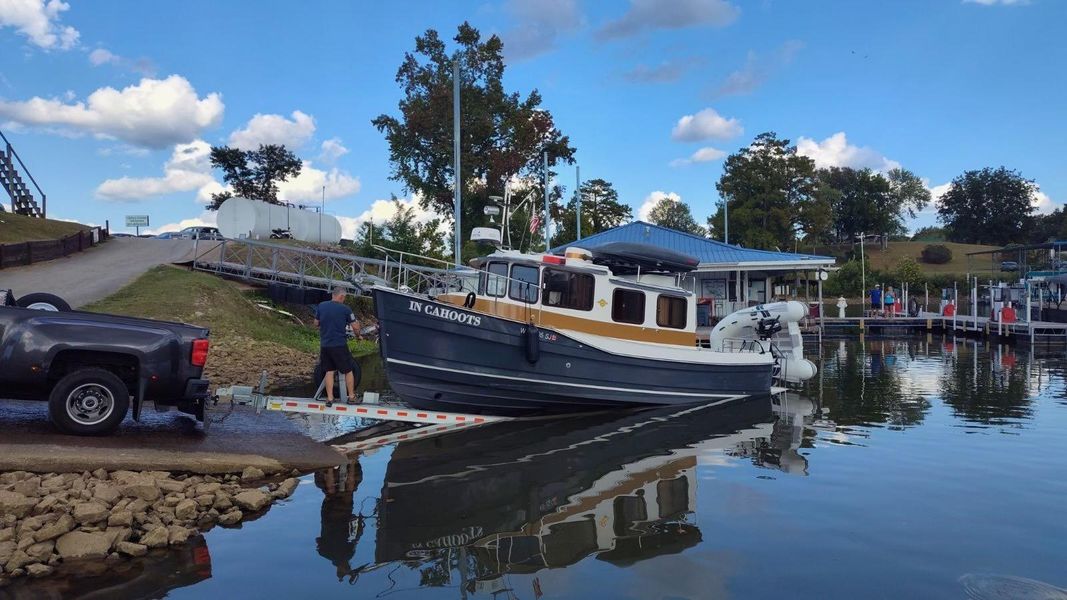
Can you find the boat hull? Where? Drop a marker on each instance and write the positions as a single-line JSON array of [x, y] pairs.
[[442, 357]]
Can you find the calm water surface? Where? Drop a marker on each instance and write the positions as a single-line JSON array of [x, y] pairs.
[[907, 469]]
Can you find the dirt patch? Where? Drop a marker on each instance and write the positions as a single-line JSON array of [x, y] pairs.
[[239, 360]]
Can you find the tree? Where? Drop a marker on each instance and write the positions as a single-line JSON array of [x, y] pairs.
[[864, 203], [929, 234], [908, 192], [601, 210], [402, 232], [675, 214], [502, 134], [770, 190], [1052, 226], [253, 174], [990, 206]]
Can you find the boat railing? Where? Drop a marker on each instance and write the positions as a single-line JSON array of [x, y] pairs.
[[408, 271]]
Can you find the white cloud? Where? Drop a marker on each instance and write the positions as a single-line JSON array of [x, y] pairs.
[[332, 149], [154, 113], [706, 125], [665, 72], [307, 187], [39, 22], [757, 69], [274, 129], [100, 56], [705, 154], [655, 14], [381, 211], [206, 219], [835, 151], [1042, 202], [539, 24], [652, 200], [188, 169]]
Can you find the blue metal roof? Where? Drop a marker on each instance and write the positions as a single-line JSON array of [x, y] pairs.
[[703, 249]]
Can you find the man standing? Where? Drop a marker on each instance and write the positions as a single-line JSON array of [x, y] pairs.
[[876, 300], [333, 317]]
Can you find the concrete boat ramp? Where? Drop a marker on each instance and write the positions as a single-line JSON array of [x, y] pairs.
[[161, 442]]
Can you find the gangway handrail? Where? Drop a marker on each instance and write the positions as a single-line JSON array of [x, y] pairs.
[[11, 150]]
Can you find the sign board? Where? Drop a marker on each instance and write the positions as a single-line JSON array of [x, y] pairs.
[[136, 220]]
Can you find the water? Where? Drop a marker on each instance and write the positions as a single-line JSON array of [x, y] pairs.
[[907, 469]]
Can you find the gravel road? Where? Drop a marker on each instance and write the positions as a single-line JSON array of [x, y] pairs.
[[88, 276]]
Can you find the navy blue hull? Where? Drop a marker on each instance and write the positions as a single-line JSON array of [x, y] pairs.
[[441, 357]]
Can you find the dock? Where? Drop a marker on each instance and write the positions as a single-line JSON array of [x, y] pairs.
[[1030, 332]]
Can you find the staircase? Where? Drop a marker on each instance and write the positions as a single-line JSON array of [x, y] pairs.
[[23, 201]]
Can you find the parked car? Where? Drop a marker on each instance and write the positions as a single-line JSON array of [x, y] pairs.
[[168, 235], [94, 368], [200, 233], [1009, 266]]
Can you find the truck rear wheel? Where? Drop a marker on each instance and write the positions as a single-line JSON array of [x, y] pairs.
[[43, 301], [89, 401]]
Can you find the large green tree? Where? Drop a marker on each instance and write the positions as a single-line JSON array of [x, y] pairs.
[[988, 206], [253, 174], [601, 210], [771, 192], [503, 135], [675, 214]]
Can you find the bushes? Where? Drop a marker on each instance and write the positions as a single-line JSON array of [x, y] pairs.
[[908, 271], [936, 254]]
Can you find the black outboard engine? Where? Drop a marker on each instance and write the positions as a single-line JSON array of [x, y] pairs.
[[766, 328]]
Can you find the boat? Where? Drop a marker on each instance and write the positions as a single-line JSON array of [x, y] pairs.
[[588, 329]]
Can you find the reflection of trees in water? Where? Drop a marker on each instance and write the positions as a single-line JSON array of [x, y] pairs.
[[986, 390], [866, 385]]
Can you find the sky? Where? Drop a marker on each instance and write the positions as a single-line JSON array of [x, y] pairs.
[[113, 106]]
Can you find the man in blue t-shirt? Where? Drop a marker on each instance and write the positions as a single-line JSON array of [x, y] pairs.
[[876, 298], [333, 318]]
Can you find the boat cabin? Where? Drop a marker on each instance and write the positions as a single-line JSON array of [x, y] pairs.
[[622, 292]]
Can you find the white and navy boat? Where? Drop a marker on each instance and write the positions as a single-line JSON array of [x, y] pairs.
[[593, 329]]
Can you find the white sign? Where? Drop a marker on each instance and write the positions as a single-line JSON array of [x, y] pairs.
[[136, 220]]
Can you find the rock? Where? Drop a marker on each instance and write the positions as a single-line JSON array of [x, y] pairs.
[[13, 476], [40, 551], [107, 494], [287, 487], [131, 549], [38, 570], [27, 487], [143, 487], [24, 543], [100, 474], [118, 534], [7, 549], [222, 503], [170, 485], [79, 544], [156, 538], [205, 521], [7, 534], [54, 484], [18, 560], [208, 488], [205, 500], [252, 474], [14, 503], [53, 530], [90, 512], [186, 510], [178, 535], [113, 559], [46, 504], [231, 518], [138, 506], [252, 500], [173, 501], [121, 518]]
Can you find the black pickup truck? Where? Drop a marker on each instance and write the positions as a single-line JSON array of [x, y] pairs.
[[93, 367]]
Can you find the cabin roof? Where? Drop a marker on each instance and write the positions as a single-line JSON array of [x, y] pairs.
[[710, 253]]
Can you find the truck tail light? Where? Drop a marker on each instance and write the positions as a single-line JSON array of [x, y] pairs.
[[200, 348]]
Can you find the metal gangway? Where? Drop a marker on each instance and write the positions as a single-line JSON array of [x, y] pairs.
[[265, 263]]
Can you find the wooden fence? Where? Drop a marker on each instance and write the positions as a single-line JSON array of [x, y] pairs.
[[13, 255]]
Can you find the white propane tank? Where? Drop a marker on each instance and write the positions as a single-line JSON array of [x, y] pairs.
[[253, 219]]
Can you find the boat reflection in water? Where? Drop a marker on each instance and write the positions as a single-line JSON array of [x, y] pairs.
[[518, 497]]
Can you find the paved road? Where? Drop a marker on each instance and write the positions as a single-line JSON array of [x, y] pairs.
[[168, 441], [88, 276]]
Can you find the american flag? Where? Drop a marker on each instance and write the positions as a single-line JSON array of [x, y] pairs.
[[535, 222]]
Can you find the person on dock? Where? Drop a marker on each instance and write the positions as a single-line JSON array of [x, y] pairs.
[[890, 302], [333, 317], [876, 300]]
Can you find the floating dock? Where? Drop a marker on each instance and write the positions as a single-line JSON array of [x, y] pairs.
[[1031, 332]]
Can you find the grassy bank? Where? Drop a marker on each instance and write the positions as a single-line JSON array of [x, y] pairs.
[[246, 339], [15, 229]]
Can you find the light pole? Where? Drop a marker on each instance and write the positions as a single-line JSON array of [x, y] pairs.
[[725, 221], [578, 198], [548, 238], [456, 174], [322, 210], [863, 278]]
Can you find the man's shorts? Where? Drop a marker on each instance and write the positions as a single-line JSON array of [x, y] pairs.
[[336, 358]]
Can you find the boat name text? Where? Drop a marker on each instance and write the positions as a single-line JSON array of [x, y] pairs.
[[445, 313]]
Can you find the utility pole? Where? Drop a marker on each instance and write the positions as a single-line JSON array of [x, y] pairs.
[[548, 238], [322, 210], [456, 174], [578, 198]]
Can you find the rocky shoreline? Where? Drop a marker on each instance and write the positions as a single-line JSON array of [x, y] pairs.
[[60, 522]]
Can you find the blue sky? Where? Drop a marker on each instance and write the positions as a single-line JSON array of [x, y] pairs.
[[113, 104]]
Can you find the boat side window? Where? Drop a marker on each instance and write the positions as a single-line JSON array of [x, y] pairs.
[[568, 290], [524, 283], [496, 282], [670, 312], [628, 306]]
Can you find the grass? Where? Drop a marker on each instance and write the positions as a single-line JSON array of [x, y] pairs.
[[887, 260], [15, 229], [174, 294]]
